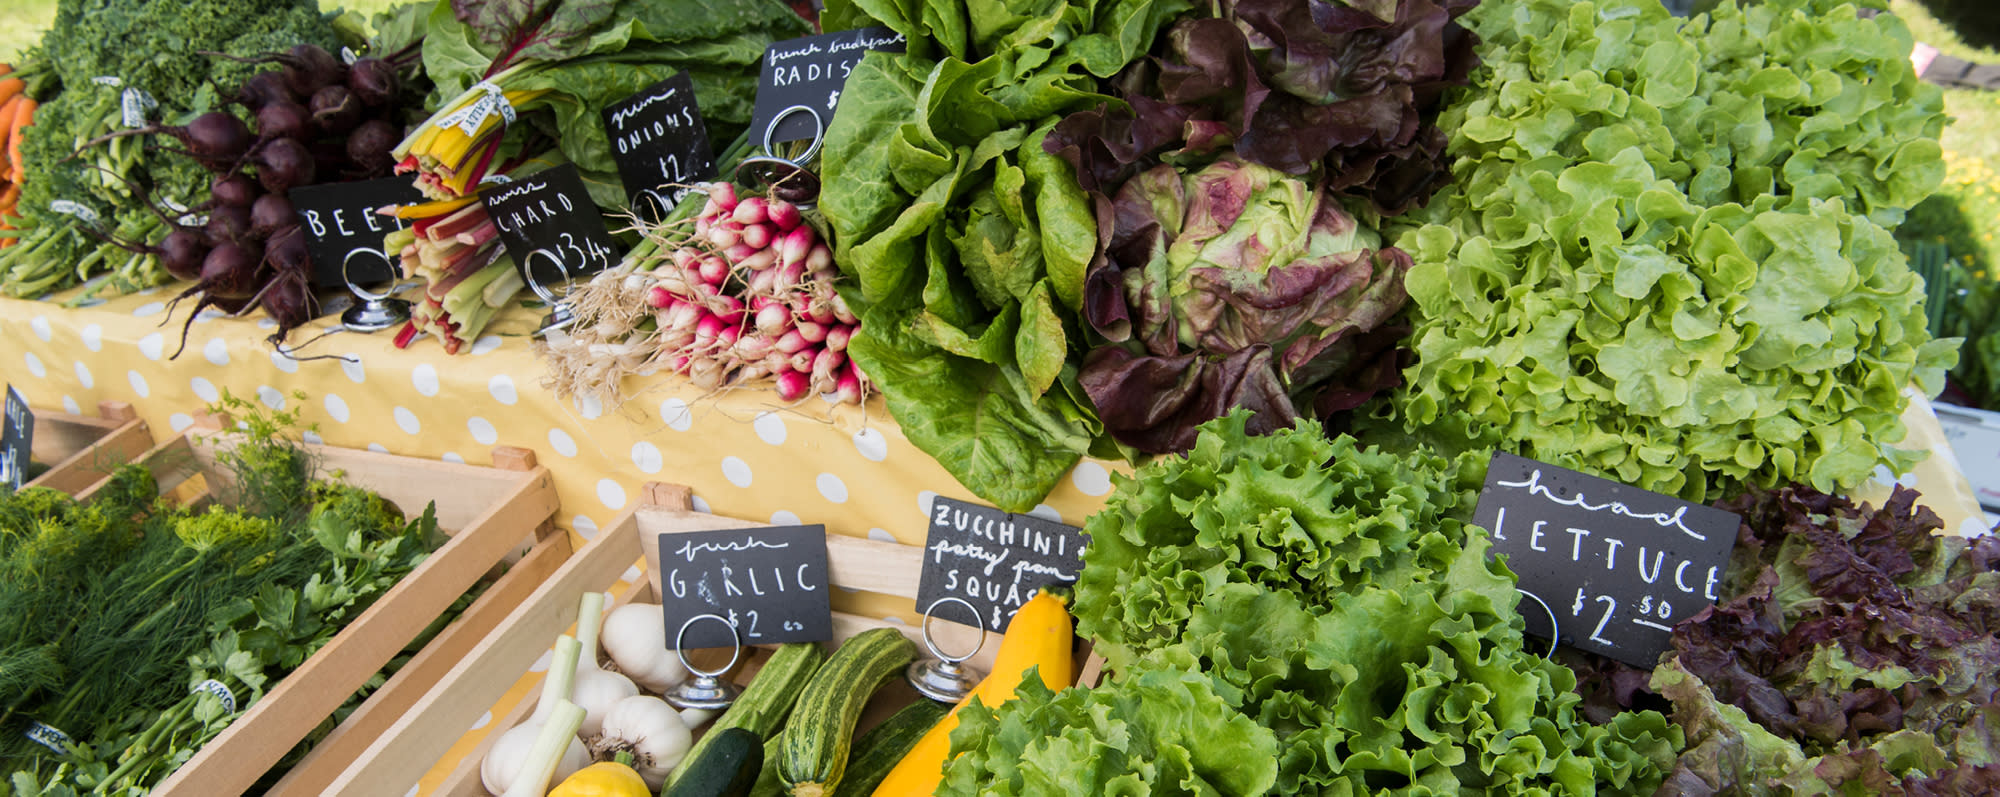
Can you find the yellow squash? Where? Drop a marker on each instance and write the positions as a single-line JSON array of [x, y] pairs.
[[606, 779], [1040, 635]]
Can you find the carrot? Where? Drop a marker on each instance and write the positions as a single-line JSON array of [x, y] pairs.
[[22, 118], [8, 112], [11, 87], [6, 69]]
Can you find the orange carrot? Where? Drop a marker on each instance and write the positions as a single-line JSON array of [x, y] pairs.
[[22, 118], [6, 69], [11, 87], [8, 111]]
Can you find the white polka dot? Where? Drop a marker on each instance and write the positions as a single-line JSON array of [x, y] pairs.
[[770, 428], [336, 408], [1046, 512], [1091, 478], [542, 664], [70, 406], [646, 457], [149, 308], [378, 448], [590, 407], [871, 444], [482, 430], [205, 389], [561, 442], [452, 458], [484, 719], [351, 363], [585, 527], [832, 487], [924, 500], [41, 327], [896, 620], [209, 315], [676, 414], [407, 421], [179, 422], [736, 471], [35, 365], [217, 351], [312, 437], [701, 505], [138, 384], [154, 346], [284, 363], [610, 493], [784, 517], [83, 376], [93, 337], [882, 535], [502, 388], [1973, 527], [266, 324], [271, 397], [486, 345], [425, 379], [414, 790]]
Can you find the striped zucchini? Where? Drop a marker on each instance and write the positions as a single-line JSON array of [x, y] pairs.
[[762, 707], [878, 750], [812, 753]]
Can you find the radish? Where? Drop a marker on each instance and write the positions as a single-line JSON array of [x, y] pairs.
[[795, 246], [802, 360], [784, 215], [660, 298], [757, 236], [820, 258], [836, 337], [848, 387], [813, 333], [792, 343], [773, 320], [792, 386], [750, 211], [828, 363]]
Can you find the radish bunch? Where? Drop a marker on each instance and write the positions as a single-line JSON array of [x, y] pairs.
[[748, 295]]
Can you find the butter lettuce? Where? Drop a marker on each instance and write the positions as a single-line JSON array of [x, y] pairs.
[[1665, 258], [1337, 596]]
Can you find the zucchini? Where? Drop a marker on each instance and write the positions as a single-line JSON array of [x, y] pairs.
[[726, 768], [767, 781], [762, 707], [812, 752], [878, 750]]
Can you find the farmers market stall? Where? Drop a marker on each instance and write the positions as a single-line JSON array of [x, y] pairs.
[[743, 397]]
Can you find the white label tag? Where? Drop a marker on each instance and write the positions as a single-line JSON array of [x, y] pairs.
[[49, 737], [348, 55], [68, 208], [221, 692], [108, 80], [133, 105]]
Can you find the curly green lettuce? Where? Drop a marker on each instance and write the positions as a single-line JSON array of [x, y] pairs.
[[1339, 596], [1665, 259]]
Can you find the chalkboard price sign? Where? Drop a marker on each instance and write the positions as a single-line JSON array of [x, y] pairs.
[[993, 560], [659, 141], [768, 582], [17, 439], [1613, 566], [343, 231], [550, 226], [811, 72]]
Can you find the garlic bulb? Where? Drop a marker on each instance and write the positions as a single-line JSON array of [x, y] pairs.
[[596, 690], [651, 731], [635, 637], [504, 762]]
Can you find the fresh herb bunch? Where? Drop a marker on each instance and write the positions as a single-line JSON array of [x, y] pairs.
[[1340, 598], [239, 595]]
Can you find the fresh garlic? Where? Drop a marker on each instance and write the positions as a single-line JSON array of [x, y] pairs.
[[635, 637], [596, 690], [504, 764], [651, 731]]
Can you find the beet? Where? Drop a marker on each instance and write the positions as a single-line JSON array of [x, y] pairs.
[[309, 68], [372, 146], [335, 110], [374, 82], [284, 164], [233, 190], [283, 120], [216, 139], [271, 213], [181, 253], [263, 89], [227, 224], [231, 271]]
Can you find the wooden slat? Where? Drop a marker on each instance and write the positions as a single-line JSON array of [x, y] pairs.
[[105, 444], [232, 761], [417, 740], [333, 753]]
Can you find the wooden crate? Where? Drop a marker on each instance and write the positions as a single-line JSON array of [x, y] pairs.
[[416, 743], [81, 451], [488, 513]]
